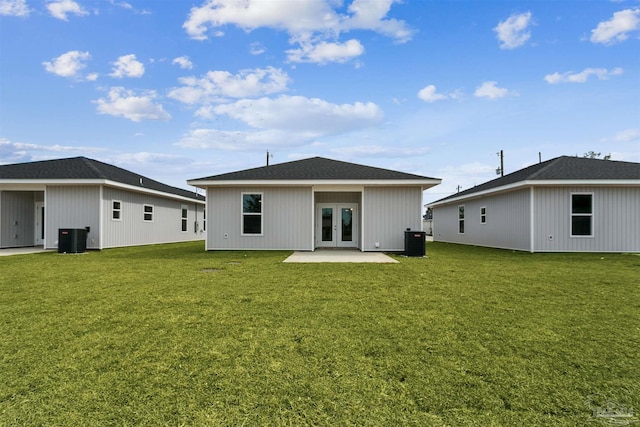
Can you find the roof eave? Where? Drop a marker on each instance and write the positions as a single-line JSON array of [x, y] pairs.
[[204, 183], [106, 182], [540, 183]]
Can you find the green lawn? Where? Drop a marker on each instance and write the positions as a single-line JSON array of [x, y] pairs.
[[173, 335]]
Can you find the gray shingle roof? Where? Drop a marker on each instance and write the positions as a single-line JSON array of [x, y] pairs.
[[81, 168], [561, 168], [315, 168]]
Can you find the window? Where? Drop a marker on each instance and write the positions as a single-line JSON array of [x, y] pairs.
[[461, 219], [116, 210], [148, 213], [582, 215], [185, 213], [252, 213], [204, 219], [483, 215]]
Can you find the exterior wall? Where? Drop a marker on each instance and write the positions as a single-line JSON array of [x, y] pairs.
[[387, 212], [17, 218], [337, 197], [287, 218], [72, 207], [507, 221], [616, 220], [132, 230]]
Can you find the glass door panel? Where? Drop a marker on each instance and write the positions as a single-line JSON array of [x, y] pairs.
[[327, 224], [347, 225]]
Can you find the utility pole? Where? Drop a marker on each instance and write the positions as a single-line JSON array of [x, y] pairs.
[[267, 157], [501, 169], [458, 188]]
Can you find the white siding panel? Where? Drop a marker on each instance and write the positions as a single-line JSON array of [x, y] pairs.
[[616, 220], [387, 213], [287, 219], [507, 221], [72, 207], [17, 218], [132, 230]]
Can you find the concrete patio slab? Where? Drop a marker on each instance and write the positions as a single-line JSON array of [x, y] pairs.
[[339, 256], [22, 251]]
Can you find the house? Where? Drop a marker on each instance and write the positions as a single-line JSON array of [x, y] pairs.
[[566, 204], [120, 208], [312, 203]]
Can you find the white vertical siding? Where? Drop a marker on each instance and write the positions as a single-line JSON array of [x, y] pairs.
[[72, 207], [17, 218], [507, 221], [387, 212], [132, 230], [286, 223], [616, 220]]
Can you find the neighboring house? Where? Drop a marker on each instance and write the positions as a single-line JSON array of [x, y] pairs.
[[566, 204], [120, 208], [313, 203]]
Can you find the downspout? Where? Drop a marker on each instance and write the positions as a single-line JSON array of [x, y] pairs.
[[531, 221], [313, 219], [101, 218], [362, 216]]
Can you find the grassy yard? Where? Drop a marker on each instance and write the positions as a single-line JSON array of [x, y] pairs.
[[172, 335]]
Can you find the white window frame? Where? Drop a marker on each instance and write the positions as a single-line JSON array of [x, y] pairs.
[[483, 215], [145, 213], [461, 219], [184, 220], [242, 213], [590, 215], [114, 210]]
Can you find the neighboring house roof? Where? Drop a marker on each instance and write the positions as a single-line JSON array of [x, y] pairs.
[[82, 169], [562, 170], [314, 169]]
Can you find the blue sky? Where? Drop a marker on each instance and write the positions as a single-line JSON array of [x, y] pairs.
[[176, 90]]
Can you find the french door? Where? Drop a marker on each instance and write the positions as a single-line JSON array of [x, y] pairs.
[[336, 225]]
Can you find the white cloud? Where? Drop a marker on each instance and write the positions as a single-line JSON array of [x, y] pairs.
[[61, 8], [617, 28], [491, 90], [127, 66], [627, 135], [315, 25], [581, 77], [429, 94], [284, 121], [298, 113], [13, 152], [360, 151], [184, 62], [257, 48], [324, 52], [125, 103], [14, 8], [68, 64], [513, 33], [215, 85]]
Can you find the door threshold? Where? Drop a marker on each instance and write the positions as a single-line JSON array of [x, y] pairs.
[[331, 248]]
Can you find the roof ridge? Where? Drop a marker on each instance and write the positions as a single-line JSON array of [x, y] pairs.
[[551, 163], [93, 167]]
